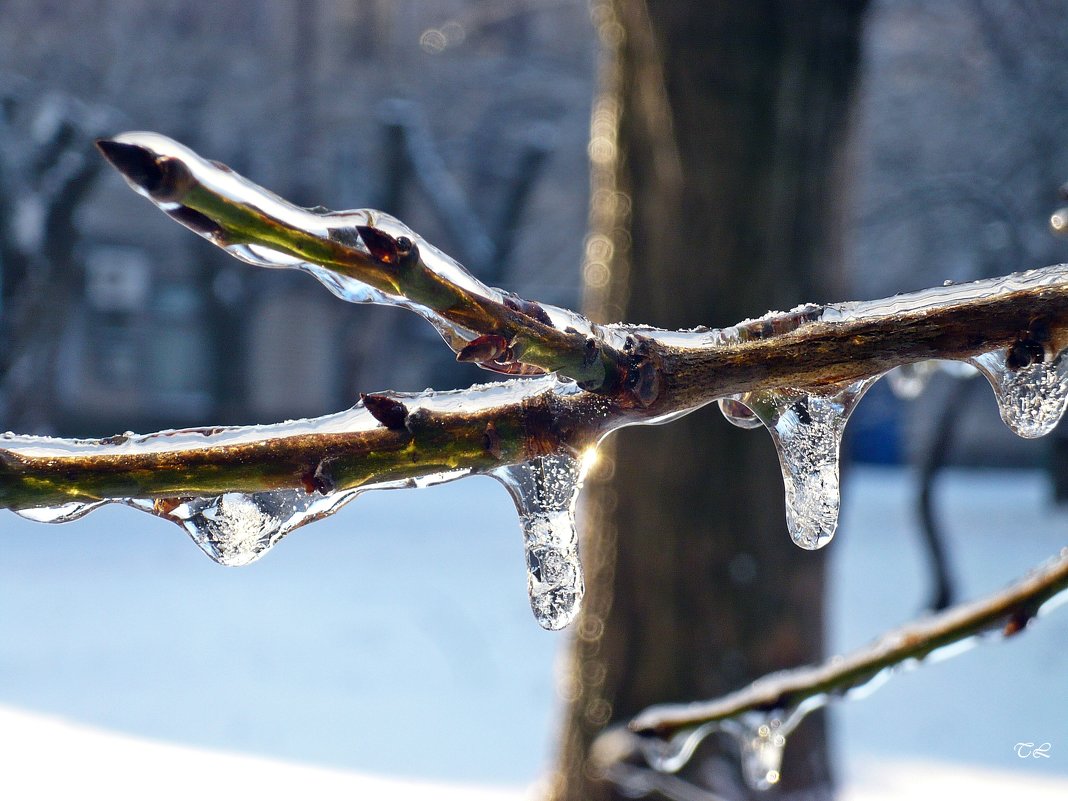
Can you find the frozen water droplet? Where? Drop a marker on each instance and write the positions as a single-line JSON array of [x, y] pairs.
[[909, 380], [738, 413], [545, 490], [236, 529], [761, 742], [233, 529], [63, 513], [807, 432], [1031, 389]]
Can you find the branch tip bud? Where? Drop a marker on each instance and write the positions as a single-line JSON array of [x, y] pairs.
[[389, 412]]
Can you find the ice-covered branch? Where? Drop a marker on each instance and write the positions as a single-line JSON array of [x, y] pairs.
[[363, 256], [367, 256], [798, 373], [385, 438], [237, 491], [762, 715]]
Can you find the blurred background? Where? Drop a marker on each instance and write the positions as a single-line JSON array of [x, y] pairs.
[[470, 120], [467, 119]]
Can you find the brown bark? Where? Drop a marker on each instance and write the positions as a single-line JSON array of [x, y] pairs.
[[732, 127]]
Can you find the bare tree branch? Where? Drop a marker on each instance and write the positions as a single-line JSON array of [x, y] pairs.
[[390, 262], [1008, 611], [635, 375], [661, 378], [386, 438]]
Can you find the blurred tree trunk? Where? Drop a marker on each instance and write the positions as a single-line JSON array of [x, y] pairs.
[[717, 150]]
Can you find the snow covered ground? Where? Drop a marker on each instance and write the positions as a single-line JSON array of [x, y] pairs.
[[389, 653]]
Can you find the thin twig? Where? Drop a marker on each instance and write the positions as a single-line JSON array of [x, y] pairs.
[[813, 346], [387, 438], [364, 245], [661, 378], [634, 375], [1009, 611]]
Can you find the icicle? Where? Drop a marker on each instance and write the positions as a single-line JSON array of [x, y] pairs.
[[236, 528], [761, 741], [63, 513], [1030, 386], [545, 490], [738, 413], [233, 529], [807, 432]]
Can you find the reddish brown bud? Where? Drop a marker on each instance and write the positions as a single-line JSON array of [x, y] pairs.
[[491, 440], [1025, 352], [483, 349], [529, 308], [318, 480], [197, 222], [647, 389], [389, 412], [381, 245], [1017, 622], [165, 179], [164, 506], [513, 368]]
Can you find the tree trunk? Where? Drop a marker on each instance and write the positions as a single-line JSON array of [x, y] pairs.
[[717, 148]]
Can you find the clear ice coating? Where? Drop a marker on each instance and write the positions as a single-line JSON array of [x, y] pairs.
[[236, 528], [1030, 386], [339, 228], [63, 513], [737, 413], [760, 739], [545, 490], [807, 431]]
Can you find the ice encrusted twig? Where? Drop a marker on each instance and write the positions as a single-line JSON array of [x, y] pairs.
[[363, 256], [809, 352], [780, 696], [800, 373], [386, 438], [368, 256]]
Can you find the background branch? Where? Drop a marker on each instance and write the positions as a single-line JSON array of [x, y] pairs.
[[1009, 611]]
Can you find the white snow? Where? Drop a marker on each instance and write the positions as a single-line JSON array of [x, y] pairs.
[[46, 758]]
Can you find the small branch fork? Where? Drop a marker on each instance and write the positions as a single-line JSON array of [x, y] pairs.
[[606, 377], [1008, 611]]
